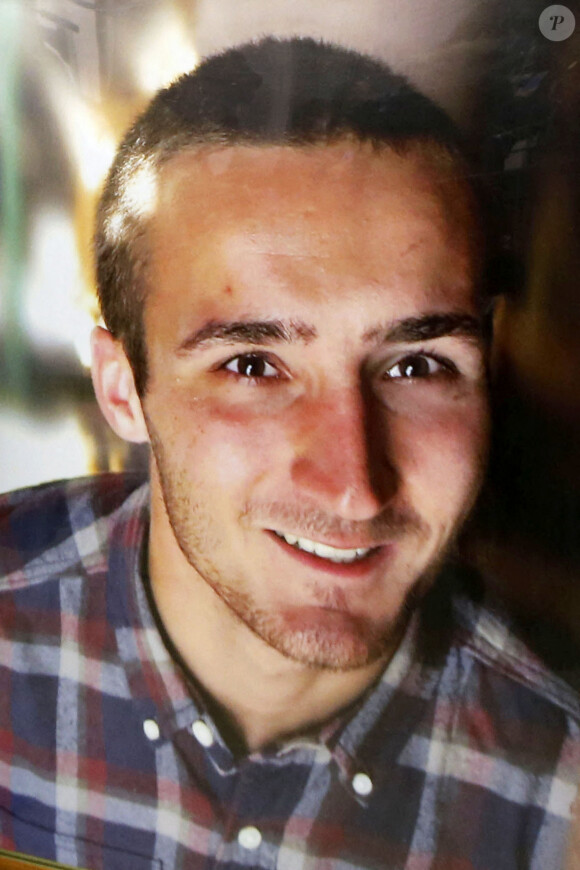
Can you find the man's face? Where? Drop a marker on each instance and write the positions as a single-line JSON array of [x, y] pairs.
[[316, 402]]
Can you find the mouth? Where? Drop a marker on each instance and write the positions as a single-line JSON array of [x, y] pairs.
[[337, 555]]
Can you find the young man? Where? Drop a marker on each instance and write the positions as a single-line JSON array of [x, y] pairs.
[[263, 657]]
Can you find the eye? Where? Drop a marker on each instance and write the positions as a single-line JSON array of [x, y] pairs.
[[418, 365], [251, 365]]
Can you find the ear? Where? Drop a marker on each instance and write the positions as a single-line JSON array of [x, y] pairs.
[[115, 387]]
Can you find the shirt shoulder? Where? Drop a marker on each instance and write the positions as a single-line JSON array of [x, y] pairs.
[[54, 528], [523, 655]]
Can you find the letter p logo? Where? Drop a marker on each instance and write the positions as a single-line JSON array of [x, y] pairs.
[[557, 23]]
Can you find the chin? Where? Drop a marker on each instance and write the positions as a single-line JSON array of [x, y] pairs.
[[330, 641]]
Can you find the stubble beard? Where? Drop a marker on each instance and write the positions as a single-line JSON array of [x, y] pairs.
[[346, 641]]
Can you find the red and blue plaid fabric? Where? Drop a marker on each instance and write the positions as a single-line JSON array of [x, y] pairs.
[[464, 755]]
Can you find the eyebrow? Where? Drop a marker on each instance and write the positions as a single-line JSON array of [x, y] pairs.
[[260, 332], [248, 332], [428, 326]]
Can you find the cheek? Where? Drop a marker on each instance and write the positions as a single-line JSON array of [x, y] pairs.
[[442, 456], [226, 446]]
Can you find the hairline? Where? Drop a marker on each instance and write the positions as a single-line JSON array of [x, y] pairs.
[[437, 152]]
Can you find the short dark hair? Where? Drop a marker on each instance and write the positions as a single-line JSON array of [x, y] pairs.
[[295, 92]]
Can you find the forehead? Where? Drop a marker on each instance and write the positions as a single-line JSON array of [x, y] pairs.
[[310, 220], [251, 180]]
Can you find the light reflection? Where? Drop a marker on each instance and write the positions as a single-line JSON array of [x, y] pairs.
[[92, 143], [40, 449], [164, 52], [139, 194], [54, 315]]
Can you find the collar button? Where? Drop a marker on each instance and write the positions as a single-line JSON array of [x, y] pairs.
[[362, 784], [249, 837], [202, 733], [151, 729]]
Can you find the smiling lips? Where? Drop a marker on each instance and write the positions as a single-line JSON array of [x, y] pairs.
[[324, 551]]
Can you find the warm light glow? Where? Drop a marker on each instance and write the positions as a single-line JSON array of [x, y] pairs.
[[115, 226], [90, 140], [139, 194], [40, 448], [96, 156], [137, 198], [164, 53], [54, 316]]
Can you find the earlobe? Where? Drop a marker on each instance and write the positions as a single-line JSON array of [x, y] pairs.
[[115, 387]]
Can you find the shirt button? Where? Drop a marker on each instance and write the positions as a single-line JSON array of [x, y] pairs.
[[151, 729], [202, 733], [362, 784], [249, 837]]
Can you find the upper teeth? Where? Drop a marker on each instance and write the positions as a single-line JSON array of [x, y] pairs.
[[323, 550]]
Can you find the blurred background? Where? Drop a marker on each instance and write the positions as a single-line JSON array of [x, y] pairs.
[[74, 73]]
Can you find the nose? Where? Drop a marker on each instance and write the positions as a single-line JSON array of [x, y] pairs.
[[341, 462]]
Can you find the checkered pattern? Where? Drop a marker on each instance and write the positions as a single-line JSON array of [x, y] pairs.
[[470, 743]]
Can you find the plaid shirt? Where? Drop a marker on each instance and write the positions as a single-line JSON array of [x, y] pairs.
[[465, 754]]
